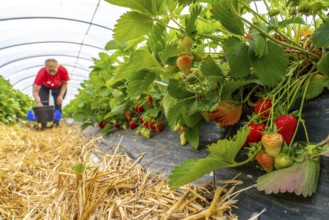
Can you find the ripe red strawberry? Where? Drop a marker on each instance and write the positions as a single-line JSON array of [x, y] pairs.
[[266, 161], [158, 126], [263, 107], [286, 125], [150, 100], [139, 109], [272, 143], [146, 124], [101, 124], [117, 126], [150, 125], [255, 133], [132, 124], [184, 63]]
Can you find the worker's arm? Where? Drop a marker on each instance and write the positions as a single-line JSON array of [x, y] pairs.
[[36, 90], [61, 93]]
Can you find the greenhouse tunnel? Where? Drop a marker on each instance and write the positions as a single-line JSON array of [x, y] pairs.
[[176, 84]]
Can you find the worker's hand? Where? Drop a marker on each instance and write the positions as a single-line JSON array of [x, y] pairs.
[[59, 100], [40, 103]]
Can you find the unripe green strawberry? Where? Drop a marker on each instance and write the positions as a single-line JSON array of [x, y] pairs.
[[184, 63], [139, 131], [304, 7], [286, 125], [272, 143], [177, 127], [266, 161], [273, 12], [292, 11], [146, 133], [183, 139], [282, 161], [316, 6], [185, 44]]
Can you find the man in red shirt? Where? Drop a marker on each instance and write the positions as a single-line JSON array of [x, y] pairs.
[[52, 77]]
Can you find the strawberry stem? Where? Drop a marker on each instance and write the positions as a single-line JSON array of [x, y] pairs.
[[300, 120], [273, 39]]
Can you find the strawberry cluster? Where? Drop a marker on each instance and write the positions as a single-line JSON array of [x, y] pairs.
[[272, 139], [138, 117]]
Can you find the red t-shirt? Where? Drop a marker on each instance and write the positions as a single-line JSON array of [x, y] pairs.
[[52, 82]]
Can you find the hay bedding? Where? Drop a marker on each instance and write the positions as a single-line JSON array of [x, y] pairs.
[[38, 182]]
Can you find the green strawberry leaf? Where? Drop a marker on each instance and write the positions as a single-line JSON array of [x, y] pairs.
[[145, 7], [258, 45], [191, 120], [284, 23], [226, 14], [134, 23], [272, 67], [212, 70], [176, 90], [169, 52], [112, 45], [116, 110], [85, 124], [171, 110], [174, 109], [323, 66], [139, 82], [190, 23], [237, 55], [320, 37], [228, 149], [301, 178], [156, 40], [191, 170], [229, 87], [134, 65], [218, 158], [192, 136], [316, 86]]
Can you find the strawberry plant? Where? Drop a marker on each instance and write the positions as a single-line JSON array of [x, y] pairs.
[[209, 60], [14, 105]]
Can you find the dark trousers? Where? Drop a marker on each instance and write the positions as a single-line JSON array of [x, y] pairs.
[[44, 95]]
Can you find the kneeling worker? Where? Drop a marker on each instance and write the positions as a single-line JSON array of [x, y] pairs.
[[52, 77]]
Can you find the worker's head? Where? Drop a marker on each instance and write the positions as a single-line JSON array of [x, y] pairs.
[[51, 66]]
